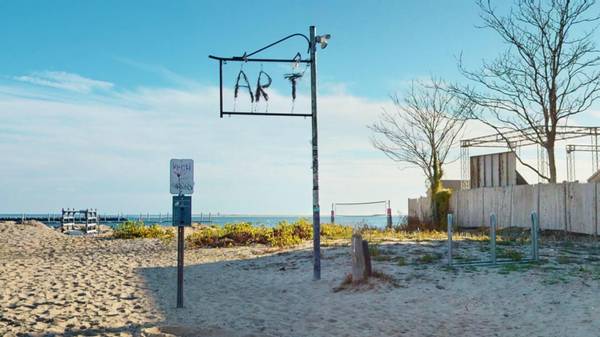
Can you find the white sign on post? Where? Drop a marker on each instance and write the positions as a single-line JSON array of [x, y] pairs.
[[182, 176]]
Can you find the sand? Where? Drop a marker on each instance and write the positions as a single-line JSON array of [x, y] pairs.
[[53, 284]]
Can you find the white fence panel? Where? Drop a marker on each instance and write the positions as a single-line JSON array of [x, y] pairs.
[[552, 212], [569, 206], [580, 210]]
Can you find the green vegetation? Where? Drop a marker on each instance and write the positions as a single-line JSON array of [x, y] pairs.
[[243, 234], [512, 254], [374, 251], [235, 234], [137, 229], [333, 231], [566, 259], [515, 267], [441, 198], [400, 261], [290, 234], [285, 234], [429, 258]]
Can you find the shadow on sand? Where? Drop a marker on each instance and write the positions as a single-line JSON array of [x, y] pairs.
[[238, 298]]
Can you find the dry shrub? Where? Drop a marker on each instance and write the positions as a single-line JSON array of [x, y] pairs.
[[349, 284]]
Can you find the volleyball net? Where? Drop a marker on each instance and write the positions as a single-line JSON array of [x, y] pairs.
[[367, 212]]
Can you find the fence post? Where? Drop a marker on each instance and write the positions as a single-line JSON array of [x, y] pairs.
[[595, 209], [450, 239], [493, 237], [534, 236]]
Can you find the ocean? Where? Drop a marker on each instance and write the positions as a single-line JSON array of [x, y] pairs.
[[266, 220]]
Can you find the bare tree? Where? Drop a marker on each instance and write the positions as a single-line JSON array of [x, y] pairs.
[[548, 73], [421, 131]]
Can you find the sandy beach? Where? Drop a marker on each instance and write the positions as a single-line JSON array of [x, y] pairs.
[[56, 285]]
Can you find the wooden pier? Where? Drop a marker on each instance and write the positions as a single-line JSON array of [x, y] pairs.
[[57, 218]]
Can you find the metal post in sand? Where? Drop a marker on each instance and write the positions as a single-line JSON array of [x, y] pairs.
[[534, 236], [450, 239], [493, 237]]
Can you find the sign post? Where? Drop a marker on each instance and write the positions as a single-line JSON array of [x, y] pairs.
[[313, 40], [182, 182]]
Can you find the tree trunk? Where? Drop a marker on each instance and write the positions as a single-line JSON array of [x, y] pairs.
[[551, 133], [433, 207], [551, 141], [436, 185], [551, 163]]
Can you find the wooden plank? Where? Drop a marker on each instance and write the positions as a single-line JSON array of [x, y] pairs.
[[474, 173], [495, 170], [581, 207], [488, 171], [551, 212], [511, 169]]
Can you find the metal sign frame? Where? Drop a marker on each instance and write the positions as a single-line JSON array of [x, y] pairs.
[[312, 41], [246, 59]]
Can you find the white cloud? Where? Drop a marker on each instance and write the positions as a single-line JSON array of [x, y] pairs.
[[65, 81], [111, 151], [160, 70]]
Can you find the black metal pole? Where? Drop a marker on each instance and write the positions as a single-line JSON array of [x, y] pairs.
[[315, 157], [221, 86], [180, 232], [315, 147], [180, 247]]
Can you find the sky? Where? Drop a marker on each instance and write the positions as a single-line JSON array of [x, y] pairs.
[[97, 96]]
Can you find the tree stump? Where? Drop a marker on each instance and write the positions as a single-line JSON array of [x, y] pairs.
[[361, 262]]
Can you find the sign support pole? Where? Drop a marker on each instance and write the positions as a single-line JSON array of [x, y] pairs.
[[315, 157], [182, 182], [180, 247], [312, 40]]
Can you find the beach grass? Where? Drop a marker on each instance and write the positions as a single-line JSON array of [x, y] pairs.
[[137, 229], [284, 234]]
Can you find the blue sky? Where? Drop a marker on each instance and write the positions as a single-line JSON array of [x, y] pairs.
[[97, 96], [377, 44]]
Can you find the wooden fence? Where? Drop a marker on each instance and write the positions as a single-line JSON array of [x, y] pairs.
[[572, 207]]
